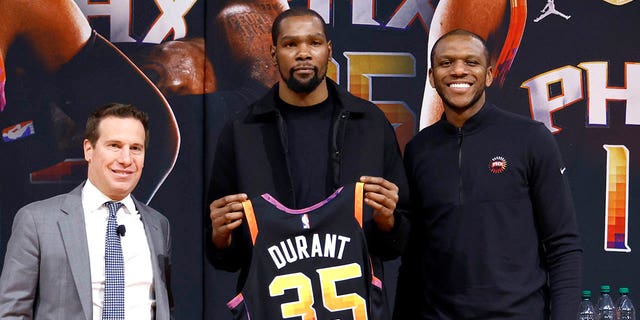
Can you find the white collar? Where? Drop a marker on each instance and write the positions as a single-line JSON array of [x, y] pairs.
[[94, 199]]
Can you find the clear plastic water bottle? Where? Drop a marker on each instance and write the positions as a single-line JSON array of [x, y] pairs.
[[586, 311], [624, 307], [605, 310]]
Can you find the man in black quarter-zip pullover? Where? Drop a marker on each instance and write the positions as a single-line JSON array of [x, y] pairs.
[[494, 233]]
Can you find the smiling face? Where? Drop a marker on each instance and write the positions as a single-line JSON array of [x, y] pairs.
[[117, 158], [302, 53], [460, 73]]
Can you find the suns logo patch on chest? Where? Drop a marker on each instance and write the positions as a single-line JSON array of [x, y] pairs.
[[498, 165]]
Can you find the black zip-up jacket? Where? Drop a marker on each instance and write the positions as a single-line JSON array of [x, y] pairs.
[[495, 233], [251, 158]]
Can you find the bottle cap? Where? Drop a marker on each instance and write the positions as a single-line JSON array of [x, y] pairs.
[[586, 293], [605, 288], [623, 290]]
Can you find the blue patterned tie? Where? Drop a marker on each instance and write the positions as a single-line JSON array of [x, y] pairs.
[[113, 306]]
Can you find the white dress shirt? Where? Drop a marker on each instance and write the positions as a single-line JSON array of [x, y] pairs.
[[139, 302]]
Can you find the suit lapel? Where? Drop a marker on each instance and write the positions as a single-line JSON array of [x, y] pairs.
[[73, 232], [153, 231]]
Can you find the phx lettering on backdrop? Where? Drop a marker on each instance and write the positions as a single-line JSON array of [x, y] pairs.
[[570, 81], [170, 19], [363, 12]]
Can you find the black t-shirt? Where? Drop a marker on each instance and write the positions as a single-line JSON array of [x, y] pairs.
[[308, 132]]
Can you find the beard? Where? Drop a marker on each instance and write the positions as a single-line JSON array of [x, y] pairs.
[[304, 87]]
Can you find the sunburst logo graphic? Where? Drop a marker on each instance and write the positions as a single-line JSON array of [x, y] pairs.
[[498, 165]]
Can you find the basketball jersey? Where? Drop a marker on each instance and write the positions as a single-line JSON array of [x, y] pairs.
[[310, 263]]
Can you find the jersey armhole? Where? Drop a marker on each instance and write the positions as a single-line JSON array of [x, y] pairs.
[[358, 199], [251, 220]]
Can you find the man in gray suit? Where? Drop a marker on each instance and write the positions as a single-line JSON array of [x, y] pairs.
[[55, 262]]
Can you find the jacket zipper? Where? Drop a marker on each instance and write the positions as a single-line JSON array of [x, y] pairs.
[[339, 125], [460, 184], [282, 130]]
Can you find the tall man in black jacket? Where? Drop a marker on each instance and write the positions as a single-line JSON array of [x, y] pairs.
[[300, 142]]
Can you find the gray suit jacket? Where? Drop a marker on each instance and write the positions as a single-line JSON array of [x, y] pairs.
[[46, 271]]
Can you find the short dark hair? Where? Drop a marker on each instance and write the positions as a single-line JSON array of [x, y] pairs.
[[461, 32], [118, 110], [294, 12]]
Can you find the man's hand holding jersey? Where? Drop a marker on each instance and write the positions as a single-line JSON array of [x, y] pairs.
[[226, 214]]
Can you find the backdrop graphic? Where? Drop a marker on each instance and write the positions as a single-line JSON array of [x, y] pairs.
[[190, 63]]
